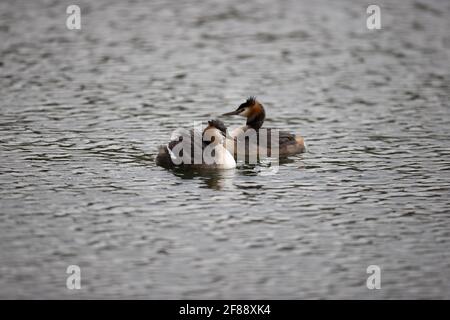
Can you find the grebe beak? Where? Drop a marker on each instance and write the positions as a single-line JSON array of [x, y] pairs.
[[232, 113]]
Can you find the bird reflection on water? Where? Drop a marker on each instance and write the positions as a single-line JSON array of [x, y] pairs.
[[223, 179]]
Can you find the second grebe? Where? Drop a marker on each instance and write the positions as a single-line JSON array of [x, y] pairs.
[[289, 143], [197, 149]]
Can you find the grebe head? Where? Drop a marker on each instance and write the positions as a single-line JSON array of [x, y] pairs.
[[252, 110], [215, 132]]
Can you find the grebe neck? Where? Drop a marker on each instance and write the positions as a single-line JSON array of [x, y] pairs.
[[256, 118]]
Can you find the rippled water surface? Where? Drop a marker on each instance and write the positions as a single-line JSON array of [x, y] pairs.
[[83, 112]]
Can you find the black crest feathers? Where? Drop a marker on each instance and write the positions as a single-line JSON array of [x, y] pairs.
[[251, 100]]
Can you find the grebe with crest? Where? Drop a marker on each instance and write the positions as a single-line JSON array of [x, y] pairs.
[[253, 110]]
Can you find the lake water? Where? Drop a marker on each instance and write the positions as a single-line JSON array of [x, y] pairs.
[[83, 112]]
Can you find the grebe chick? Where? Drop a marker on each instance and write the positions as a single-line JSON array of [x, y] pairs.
[[198, 149], [253, 110]]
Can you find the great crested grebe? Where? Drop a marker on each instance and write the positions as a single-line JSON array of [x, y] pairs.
[[253, 110], [198, 149]]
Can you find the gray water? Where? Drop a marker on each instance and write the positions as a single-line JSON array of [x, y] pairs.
[[83, 112]]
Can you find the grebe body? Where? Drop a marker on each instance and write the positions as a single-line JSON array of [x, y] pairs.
[[197, 149]]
